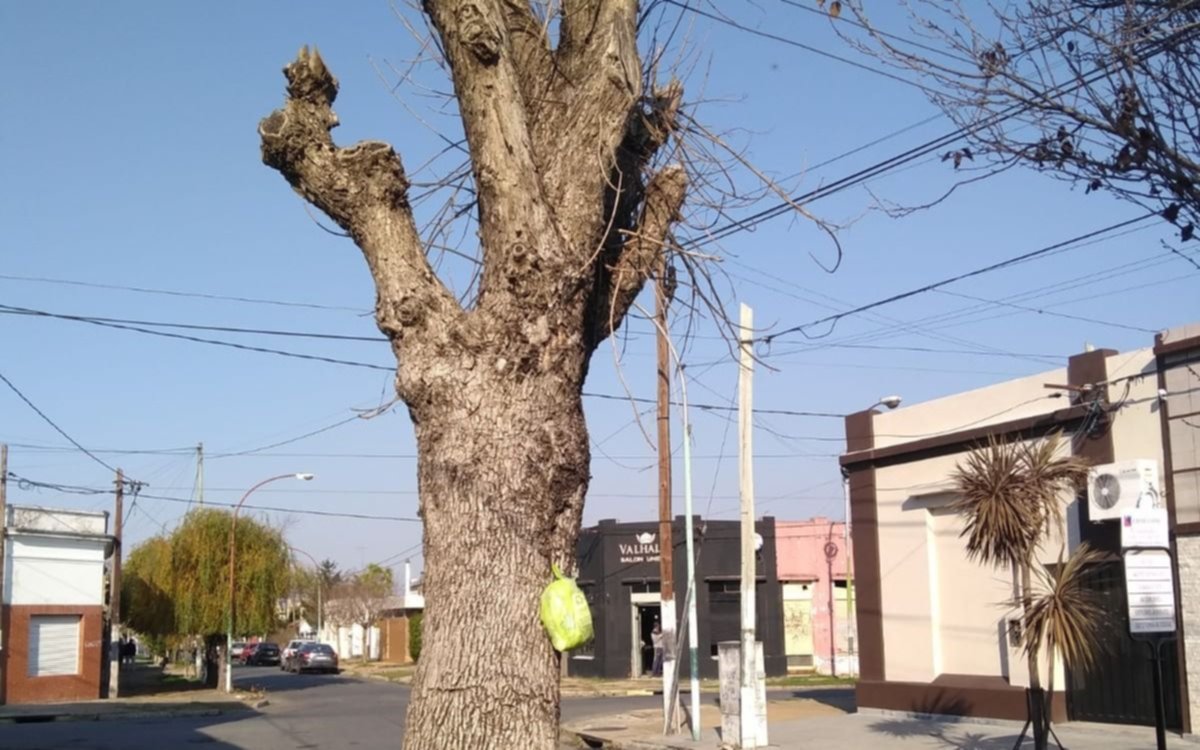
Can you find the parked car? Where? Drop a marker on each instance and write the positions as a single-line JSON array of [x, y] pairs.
[[264, 654], [248, 652], [313, 657], [237, 649], [290, 649]]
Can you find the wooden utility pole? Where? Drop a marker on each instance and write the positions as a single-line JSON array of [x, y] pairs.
[[748, 721], [665, 541], [114, 594]]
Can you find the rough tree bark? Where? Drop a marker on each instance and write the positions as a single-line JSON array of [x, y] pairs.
[[572, 221]]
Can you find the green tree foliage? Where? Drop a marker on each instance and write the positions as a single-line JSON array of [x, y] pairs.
[[147, 601], [414, 636], [180, 584]]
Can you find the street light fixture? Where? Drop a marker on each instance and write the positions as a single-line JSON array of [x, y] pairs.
[[317, 568], [233, 573]]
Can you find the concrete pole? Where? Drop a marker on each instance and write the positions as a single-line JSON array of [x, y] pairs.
[[690, 542], [748, 721], [114, 605]]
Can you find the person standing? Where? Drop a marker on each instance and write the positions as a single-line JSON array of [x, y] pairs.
[[656, 640]]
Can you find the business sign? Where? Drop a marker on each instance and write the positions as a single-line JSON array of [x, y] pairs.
[[1145, 527], [1150, 592], [643, 548]]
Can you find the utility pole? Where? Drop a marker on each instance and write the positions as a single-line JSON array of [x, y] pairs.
[[3, 553], [665, 515], [200, 474], [114, 594], [748, 721]]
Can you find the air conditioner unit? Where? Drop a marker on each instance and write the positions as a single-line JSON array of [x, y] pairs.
[[1117, 487]]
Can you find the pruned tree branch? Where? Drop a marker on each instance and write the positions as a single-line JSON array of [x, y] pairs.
[[364, 190]]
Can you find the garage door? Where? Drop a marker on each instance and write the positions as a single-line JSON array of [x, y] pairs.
[[53, 645]]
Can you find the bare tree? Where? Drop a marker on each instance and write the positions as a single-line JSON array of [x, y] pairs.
[[361, 600], [1101, 93], [574, 197]]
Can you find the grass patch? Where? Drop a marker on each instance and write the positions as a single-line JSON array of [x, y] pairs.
[[810, 680], [398, 674]]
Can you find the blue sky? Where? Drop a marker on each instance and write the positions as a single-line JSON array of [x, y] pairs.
[[131, 159]]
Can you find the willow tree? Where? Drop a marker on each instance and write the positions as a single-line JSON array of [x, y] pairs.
[[147, 592], [574, 214], [200, 568]]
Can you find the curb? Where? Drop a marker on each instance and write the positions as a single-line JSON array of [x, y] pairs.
[[46, 718], [587, 739]]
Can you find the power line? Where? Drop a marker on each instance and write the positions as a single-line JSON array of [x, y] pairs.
[[26, 484], [297, 511], [54, 424], [833, 319], [885, 34], [178, 293], [10, 309], [799, 45], [917, 152]]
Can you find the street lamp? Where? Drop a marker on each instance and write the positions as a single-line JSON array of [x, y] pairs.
[[317, 568], [233, 575]]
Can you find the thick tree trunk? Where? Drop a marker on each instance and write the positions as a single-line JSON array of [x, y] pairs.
[[502, 481]]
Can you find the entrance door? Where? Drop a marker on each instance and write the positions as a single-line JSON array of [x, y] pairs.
[[646, 616], [797, 624], [1120, 688]]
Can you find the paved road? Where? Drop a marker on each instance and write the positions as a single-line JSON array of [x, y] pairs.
[[306, 712]]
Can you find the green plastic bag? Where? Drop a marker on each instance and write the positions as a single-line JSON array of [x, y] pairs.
[[565, 613]]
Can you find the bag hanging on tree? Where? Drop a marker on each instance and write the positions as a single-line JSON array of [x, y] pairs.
[[565, 613]]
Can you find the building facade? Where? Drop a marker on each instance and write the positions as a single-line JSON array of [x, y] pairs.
[[53, 626], [934, 636], [818, 596], [620, 576]]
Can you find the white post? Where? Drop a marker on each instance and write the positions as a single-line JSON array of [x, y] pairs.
[[748, 721], [407, 580], [690, 547]]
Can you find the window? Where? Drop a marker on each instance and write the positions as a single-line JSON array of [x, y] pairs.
[[53, 645]]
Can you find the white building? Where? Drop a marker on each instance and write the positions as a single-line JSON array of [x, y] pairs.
[[54, 608]]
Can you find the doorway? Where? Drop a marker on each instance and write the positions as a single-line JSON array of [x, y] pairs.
[[645, 615]]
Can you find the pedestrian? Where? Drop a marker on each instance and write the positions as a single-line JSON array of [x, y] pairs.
[[656, 640]]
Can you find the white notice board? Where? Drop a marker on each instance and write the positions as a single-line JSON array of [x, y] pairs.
[[1150, 590]]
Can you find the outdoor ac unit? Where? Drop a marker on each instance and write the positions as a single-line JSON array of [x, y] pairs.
[[1117, 487]]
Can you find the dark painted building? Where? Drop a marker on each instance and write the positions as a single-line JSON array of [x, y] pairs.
[[619, 574]]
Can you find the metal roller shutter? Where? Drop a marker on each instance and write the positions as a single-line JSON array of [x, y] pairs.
[[53, 645]]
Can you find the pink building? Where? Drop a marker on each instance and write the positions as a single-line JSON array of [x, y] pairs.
[[818, 606]]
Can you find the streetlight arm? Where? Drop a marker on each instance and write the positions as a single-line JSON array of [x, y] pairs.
[[233, 572]]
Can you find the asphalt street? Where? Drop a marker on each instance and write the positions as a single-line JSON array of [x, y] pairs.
[[330, 712]]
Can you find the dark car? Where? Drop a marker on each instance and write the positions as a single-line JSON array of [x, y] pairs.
[[266, 653], [312, 657]]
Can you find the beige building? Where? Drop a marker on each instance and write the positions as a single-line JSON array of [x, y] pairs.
[[934, 632]]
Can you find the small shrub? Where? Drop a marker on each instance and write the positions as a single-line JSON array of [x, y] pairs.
[[414, 636]]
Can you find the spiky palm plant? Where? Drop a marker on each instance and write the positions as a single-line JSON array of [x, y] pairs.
[[1010, 495]]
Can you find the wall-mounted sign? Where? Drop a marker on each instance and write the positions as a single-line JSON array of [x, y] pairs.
[[643, 548], [1150, 591], [1145, 527]]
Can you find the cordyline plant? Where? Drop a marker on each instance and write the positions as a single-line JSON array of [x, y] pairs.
[[1011, 500]]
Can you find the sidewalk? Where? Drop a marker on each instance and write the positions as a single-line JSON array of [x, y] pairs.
[[814, 723], [146, 692]]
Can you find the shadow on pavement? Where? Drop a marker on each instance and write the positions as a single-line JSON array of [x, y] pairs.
[[841, 698], [948, 737], [284, 682]]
